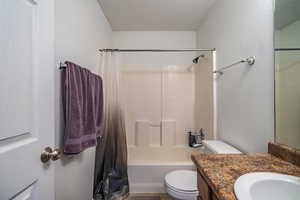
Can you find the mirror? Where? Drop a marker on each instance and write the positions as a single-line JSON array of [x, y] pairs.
[[287, 72]]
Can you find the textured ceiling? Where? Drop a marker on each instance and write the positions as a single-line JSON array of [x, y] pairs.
[[166, 15]]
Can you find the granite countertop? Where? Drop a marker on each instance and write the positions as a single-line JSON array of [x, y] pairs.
[[222, 170]]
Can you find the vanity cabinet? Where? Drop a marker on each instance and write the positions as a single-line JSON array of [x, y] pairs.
[[204, 190]]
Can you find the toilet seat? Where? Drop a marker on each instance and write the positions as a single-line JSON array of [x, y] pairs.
[[182, 184]]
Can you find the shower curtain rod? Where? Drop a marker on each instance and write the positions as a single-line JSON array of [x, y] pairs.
[[63, 66], [154, 50]]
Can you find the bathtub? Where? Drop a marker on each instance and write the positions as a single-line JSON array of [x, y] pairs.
[[149, 177]]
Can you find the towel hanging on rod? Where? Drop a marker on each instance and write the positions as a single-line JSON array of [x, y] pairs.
[[250, 61]]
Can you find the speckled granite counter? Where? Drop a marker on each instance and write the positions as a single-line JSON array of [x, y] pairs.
[[221, 171]]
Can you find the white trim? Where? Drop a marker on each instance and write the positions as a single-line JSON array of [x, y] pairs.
[[215, 96]]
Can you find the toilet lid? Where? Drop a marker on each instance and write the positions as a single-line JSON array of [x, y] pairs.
[[184, 180]]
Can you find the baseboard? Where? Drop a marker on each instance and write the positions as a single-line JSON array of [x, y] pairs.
[[156, 188]]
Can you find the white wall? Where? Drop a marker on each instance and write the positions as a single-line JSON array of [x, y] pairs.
[[156, 40], [245, 95], [81, 29]]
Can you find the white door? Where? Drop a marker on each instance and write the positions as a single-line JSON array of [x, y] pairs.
[[26, 98]]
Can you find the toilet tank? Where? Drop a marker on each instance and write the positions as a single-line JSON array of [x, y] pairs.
[[218, 147]]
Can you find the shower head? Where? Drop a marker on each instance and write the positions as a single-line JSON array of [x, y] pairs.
[[195, 61]]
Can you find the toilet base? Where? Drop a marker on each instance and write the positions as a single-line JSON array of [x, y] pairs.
[[182, 195]]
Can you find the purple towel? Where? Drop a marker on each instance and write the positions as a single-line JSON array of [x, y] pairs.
[[83, 105]]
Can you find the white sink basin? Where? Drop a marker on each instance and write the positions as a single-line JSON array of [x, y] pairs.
[[264, 186]]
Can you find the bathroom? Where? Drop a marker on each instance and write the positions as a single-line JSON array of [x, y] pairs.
[[173, 68]]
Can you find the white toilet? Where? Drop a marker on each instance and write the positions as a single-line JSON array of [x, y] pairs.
[[182, 184]]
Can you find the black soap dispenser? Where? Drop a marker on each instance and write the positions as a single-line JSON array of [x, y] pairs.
[[202, 135], [192, 139]]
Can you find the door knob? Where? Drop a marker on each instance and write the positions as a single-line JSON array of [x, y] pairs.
[[49, 154]]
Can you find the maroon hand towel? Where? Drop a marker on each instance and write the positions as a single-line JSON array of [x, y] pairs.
[[83, 106]]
